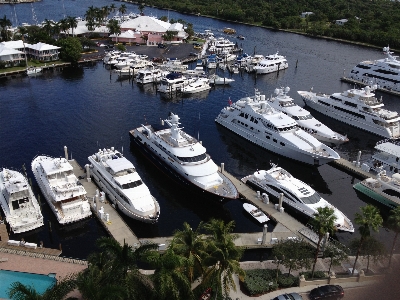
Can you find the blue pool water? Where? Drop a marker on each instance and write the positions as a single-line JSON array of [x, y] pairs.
[[39, 282]]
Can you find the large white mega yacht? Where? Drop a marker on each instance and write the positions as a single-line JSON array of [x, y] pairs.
[[356, 107], [20, 206], [63, 192], [183, 158], [386, 158], [296, 194], [383, 72], [255, 120], [271, 63], [118, 178], [304, 119]]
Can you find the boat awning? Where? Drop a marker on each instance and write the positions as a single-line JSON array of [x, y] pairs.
[[120, 164]]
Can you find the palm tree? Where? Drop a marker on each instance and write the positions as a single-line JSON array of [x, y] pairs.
[[48, 27], [369, 218], [63, 24], [18, 291], [190, 244], [141, 9], [169, 279], [112, 7], [122, 9], [394, 224], [114, 28], [223, 259], [323, 223], [4, 24], [73, 23]]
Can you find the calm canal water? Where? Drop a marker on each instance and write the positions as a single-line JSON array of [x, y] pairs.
[[85, 110]]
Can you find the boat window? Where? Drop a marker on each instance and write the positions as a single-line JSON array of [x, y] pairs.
[[391, 192], [131, 185], [16, 204], [350, 104], [275, 140], [268, 137], [307, 117], [193, 158], [324, 103], [314, 198], [350, 112]]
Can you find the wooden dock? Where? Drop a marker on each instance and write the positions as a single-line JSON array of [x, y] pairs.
[[116, 226], [349, 166], [388, 91]]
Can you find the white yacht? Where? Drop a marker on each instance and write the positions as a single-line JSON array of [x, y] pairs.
[[173, 65], [255, 120], [284, 103], [296, 194], [201, 84], [63, 192], [383, 72], [20, 206], [150, 75], [173, 82], [183, 158], [256, 213], [271, 63], [250, 62], [386, 158], [118, 178], [356, 107], [384, 188], [217, 80]]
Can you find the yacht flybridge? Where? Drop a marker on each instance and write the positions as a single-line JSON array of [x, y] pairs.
[[356, 107], [118, 178], [183, 158], [254, 119], [20, 206], [296, 194], [304, 119]]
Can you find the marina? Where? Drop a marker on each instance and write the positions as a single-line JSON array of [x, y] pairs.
[[89, 106]]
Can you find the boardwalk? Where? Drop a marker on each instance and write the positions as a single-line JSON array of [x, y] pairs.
[[346, 165], [115, 225]]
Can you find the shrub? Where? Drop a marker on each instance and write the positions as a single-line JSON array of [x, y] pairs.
[[285, 281], [260, 281], [317, 275]]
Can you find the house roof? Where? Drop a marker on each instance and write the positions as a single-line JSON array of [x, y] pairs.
[[146, 23], [13, 44], [129, 34], [42, 47], [4, 50]]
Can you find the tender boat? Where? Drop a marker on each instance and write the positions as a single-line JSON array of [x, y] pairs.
[[217, 80], [118, 178], [356, 107], [271, 63], [383, 72], [256, 213], [20, 206], [386, 158], [201, 84], [183, 158], [63, 192], [304, 119], [384, 189], [33, 70], [296, 194], [254, 119]]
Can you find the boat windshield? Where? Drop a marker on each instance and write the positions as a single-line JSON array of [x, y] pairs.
[[307, 117], [193, 158], [286, 103], [131, 185], [314, 198]]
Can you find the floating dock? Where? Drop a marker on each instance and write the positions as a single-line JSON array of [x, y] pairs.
[[351, 167]]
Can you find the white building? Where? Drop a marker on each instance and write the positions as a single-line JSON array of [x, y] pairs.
[[306, 13]]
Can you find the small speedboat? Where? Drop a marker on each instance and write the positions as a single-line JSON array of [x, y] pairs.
[[217, 80], [256, 213]]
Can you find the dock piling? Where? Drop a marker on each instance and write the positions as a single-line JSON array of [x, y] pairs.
[[66, 152], [264, 236], [280, 201]]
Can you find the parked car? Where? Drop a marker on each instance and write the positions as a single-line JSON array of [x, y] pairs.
[[327, 292], [290, 296], [110, 46], [161, 45]]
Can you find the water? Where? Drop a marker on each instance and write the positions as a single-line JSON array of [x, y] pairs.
[[85, 110], [40, 283]]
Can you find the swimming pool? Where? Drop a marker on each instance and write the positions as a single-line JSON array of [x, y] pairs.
[[39, 282]]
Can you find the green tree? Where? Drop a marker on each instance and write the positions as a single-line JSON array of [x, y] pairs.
[[4, 25], [337, 253], [191, 245], [114, 27], [370, 247], [18, 291], [141, 9], [223, 257], [73, 23], [189, 30], [122, 9], [369, 218], [164, 18], [169, 279], [169, 35], [322, 223], [394, 224], [71, 49]]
